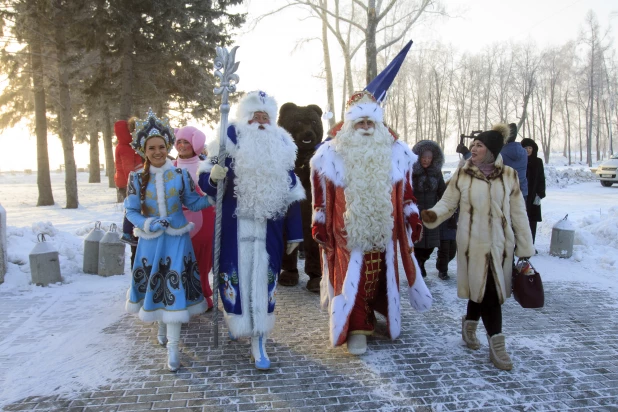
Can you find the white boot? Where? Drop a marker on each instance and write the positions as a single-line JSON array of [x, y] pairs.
[[162, 334], [173, 338], [357, 344], [258, 352]]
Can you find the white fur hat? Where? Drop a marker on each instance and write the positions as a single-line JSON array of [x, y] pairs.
[[363, 105], [256, 101]]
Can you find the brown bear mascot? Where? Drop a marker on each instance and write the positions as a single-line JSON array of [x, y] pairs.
[[304, 123]]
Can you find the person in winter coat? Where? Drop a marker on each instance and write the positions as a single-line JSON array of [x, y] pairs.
[[428, 184], [126, 161], [189, 144], [536, 184], [492, 226], [512, 155], [165, 284], [448, 245]]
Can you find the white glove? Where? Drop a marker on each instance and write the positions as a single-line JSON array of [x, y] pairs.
[[291, 247], [537, 200], [217, 173]]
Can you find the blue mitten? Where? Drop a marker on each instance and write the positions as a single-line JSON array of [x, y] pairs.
[[159, 224]]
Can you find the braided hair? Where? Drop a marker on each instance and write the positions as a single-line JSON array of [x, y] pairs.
[[144, 183]]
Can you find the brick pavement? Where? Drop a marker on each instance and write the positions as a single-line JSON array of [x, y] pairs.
[[565, 355]]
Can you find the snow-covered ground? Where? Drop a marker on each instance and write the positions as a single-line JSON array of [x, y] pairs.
[[59, 344]]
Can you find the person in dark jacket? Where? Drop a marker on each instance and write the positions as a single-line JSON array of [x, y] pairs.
[[536, 184], [448, 245], [428, 184]]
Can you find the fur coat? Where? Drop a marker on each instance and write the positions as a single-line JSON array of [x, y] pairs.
[[492, 226]]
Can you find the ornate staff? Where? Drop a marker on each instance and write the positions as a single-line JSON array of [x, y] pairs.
[[225, 68]]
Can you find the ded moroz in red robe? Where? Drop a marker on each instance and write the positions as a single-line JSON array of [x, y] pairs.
[[342, 268]]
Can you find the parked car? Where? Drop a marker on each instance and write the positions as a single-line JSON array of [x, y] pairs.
[[606, 172]]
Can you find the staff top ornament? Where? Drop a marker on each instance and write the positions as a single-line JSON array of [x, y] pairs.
[[149, 127]]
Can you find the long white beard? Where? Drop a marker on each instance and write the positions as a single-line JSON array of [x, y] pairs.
[[261, 164], [369, 211]]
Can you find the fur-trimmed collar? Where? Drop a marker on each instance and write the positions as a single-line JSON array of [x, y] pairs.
[[474, 171], [167, 166], [328, 162]]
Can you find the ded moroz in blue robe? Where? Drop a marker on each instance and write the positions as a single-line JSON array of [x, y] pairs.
[[165, 285], [251, 249]]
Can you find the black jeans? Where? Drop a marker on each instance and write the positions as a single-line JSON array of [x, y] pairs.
[[489, 309]]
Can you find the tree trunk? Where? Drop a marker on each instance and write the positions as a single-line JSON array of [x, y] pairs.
[[568, 119], [43, 178], [371, 50], [126, 96], [110, 166], [64, 113], [95, 163], [330, 95]]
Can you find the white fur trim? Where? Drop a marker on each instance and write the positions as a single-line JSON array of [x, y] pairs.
[[341, 305], [327, 162], [373, 111], [176, 316], [253, 281], [253, 102], [160, 188], [409, 209], [179, 231], [137, 232], [418, 293], [297, 193], [327, 292], [318, 216], [205, 166], [392, 292], [147, 225]]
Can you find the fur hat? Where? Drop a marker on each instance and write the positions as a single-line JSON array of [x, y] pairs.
[[256, 101], [151, 126], [363, 105], [193, 135], [513, 132], [495, 138]]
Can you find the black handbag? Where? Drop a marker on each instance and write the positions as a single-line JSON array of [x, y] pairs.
[[527, 285]]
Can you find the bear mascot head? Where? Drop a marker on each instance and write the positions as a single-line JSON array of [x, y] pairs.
[[304, 123]]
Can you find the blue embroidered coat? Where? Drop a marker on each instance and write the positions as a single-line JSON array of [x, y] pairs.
[[165, 285], [251, 250]]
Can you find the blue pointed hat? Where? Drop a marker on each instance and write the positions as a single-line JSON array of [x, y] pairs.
[[379, 86]]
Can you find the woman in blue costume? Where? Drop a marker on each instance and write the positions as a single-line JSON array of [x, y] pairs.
[[165, 286]]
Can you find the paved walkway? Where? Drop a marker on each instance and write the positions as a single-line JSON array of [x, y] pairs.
[[565, 355]]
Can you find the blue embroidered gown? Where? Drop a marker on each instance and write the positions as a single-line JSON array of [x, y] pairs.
[[251, 252], [165, 285]]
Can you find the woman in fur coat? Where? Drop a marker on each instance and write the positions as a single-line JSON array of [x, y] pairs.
[[536, 184], [428, 184], [492, 226]]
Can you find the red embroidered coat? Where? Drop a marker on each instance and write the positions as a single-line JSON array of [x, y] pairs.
[[342, 267]]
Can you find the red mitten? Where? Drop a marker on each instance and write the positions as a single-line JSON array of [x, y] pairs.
[[417, 227]]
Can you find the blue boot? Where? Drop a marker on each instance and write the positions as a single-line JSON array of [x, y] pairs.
[[258, 352]]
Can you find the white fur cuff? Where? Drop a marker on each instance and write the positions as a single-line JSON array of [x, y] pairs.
[[147, 224], [318, 216], [409, 209], [204, 167]]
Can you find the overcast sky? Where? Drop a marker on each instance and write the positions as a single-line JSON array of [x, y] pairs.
[[273, 59]]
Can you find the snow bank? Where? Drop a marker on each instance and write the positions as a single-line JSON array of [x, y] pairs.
[[562, 177]]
